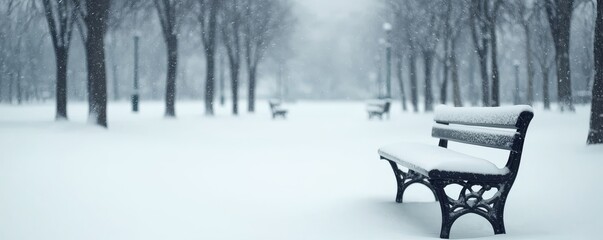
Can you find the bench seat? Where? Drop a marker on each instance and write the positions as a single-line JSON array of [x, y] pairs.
[[279, 109], [425, 159], [374, 108]]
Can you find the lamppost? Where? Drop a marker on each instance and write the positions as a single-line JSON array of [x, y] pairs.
[[222, 97], [387, 27], [516, 92], [135, 93]]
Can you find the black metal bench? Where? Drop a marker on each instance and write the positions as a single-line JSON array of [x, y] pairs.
[[378, 108], [276, 109], [438, 167]]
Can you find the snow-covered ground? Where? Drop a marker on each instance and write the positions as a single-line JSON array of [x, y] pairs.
[[316, 175]]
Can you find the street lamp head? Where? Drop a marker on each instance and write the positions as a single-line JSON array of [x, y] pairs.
[[516, 63], [387, 27], [382, 41]]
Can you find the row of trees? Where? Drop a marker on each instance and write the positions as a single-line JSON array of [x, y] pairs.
[[243, 30], [443, 31], [18, 63], [453, 34]]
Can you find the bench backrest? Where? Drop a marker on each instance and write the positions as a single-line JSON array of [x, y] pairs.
[[386, 106], [494, 127], [273, 104]]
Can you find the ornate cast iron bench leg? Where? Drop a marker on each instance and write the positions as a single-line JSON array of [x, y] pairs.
[[405, 179], [471, 200]]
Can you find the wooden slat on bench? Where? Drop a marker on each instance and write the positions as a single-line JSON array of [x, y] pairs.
[[502, 139], [500, 117]]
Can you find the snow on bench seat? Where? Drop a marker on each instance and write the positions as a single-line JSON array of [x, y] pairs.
[[424, 158], [374, 108]]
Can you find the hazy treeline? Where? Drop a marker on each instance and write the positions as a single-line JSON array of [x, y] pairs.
[[468, 51], [188, 49]]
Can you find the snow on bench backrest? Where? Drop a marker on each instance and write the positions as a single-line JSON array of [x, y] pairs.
[[479, 125], [500, 117]]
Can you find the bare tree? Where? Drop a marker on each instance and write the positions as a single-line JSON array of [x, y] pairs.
[[429, 38], [454, 21], [406, 23], [559, 16], [595, 133], [93, 27], [585, 15], [492, 17], [60, 16], [232, 19], [264, 21], [544, 53], [207, 17], [483, 18], [167, 10], [480, 36], [524, 14], [222, 85], [398, 44]]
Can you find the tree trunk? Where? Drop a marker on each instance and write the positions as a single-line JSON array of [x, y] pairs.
[[444, 88], [115, 82], [595, 133], [96, 23], [473, 89], [388, 69], [448, 39], [11, 86], [401, 82], [222, 97], [97, 77], [414, 94], [234, 86], [19, 89], [546, 99], [251, 90], [210, 50], [483, 69], [210, 81], [564, 91], [61, 84], [456, 88], [428, 61], [495, 75], [530, 94], [560, 16], [170, 87]]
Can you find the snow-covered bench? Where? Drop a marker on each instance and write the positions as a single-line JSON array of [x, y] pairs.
[[276, 109], [484, 186], [377, 108]]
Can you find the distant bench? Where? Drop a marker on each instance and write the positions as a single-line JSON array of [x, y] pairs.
[[378, 108], [276, 109], [437, 167]]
